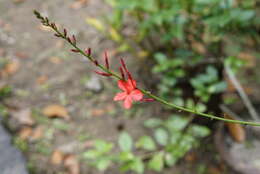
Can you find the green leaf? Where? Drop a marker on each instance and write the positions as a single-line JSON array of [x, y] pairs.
[[137, 165], [103, 164], [91, 154], [126, 156], [199, 131], [218, 87], [170, 159], [156, 163], [103, 146], [152, 123], [146, 143], [200, 107], [176, 123], [125, 142], [161, 136]]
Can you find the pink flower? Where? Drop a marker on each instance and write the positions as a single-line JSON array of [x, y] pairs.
[[130, 92]]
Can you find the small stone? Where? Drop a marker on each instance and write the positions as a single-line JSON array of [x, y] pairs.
[[94, 84]]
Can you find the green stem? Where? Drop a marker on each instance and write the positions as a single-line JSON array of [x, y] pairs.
[[148, 93]]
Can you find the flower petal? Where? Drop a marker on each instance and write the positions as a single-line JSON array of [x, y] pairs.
[[131, 84], [122, 85], [120, 96], [136, 95], [128, 102]]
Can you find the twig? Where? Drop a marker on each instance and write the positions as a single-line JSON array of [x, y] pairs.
[[242, 94]]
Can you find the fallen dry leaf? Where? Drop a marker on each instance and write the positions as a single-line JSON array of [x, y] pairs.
[[78, 4], [199, 47], [11, 68], [42, 79], [23, 116], [37, 133], [55, 60], [2, 52], [236, 131], [21, 55], [72, 164], [97, 112], [57, 157], [25, 133], [56, 111], [249, 58]]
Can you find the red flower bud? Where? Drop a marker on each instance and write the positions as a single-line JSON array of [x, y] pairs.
[[103, 74], [147, 99], [96, 62], [65, 32], [74, 50], [122, 73], [57, 35], [74, 39], [106, 60], [68, 38], [88, 51]]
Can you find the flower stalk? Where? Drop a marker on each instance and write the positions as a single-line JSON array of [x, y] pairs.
[[108, 72]]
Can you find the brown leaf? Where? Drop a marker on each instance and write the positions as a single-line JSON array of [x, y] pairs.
[[199, 47], [25, 133], [249, 58], [236, 131], [2, 52], [11, 68], [57, 157], [42, 79], [72, 164], [97, 112], [78, 4], [37, 133], [56, 111], [24, 116], [21, 55], [55, 60]]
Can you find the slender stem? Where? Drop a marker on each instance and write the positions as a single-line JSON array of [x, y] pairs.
[[148, 93], [241, 92]]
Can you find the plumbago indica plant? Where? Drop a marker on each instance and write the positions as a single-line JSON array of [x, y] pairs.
[[171, 138]]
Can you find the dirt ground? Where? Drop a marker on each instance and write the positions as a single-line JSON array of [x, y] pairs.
[[47, 73]]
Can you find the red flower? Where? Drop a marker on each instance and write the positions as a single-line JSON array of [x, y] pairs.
[[130, 92]]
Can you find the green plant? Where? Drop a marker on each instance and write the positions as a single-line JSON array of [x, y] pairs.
[[171, 139], [207, 84]]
